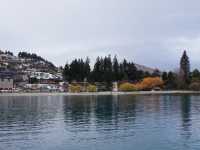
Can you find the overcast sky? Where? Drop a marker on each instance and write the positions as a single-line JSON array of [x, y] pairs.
[[149, 32]]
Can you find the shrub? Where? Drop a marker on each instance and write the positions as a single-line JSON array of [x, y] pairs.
[[150, 83], [126, 87], [138, 86], [195, 86], [91, 88], [75, 88]]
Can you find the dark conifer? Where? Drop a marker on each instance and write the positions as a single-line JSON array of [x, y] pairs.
[[66, 72], [116, 69], [185, 68]]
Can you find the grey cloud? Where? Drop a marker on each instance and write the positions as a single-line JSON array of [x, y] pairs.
[[152, 32]]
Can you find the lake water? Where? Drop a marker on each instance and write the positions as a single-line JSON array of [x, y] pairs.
[[155, 122]]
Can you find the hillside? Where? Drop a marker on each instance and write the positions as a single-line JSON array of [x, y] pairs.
[[144, 68], [35, 62], [25, 62]]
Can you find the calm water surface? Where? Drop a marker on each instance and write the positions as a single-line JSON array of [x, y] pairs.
[[100, 123]]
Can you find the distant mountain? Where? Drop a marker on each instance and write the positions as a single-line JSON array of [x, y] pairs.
[[144, 68]]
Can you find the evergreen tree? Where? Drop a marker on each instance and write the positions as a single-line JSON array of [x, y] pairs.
[[66, 72], [9, 53], [96, 73], [116, 69], [122, 75], [124, 69], [131, 71], [74, 70], [165, 76], [128, 71], [87, 68], [79, 70], [185, 68], [107, 69], [195, 75], [171, 80], [101, 70], [140, 75]]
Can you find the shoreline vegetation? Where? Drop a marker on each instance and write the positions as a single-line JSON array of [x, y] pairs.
[[175, 92], [32, 73], [126, 77]]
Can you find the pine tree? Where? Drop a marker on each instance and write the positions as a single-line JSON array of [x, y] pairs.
[[195, 75], [74, 70], [116, 69], [140, 75], [66, 73], [185, 68], [108, 69], [96, 70], [131, 71], [87, 68], [125, 70], [171, 80], [164, 76]]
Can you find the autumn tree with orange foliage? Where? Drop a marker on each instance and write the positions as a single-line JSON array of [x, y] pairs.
[[149, 83]]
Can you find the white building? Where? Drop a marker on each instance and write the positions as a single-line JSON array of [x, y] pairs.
[[43, 75]]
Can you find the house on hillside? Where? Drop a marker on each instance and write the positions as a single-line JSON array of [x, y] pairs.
[[44, 78]]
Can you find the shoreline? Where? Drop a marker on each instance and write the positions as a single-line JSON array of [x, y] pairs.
[[102, 93]]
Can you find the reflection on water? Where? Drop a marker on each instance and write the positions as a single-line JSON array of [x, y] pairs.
[[186, 118], [100, 122]]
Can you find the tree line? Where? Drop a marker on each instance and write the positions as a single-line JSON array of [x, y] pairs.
[[106, 69]]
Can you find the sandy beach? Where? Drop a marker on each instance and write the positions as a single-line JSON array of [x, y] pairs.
[[101, 93]]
